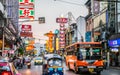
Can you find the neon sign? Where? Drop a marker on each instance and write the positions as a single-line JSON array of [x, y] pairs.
[[114, 42]]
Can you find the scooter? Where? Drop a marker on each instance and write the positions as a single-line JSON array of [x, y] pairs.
[[28, 65]]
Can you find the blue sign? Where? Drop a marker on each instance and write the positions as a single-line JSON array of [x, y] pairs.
[[88, 36], [112, 43]]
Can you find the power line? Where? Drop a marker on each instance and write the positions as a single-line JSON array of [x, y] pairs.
[[69, 2]]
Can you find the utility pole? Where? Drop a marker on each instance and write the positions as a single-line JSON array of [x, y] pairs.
[[3, 38]]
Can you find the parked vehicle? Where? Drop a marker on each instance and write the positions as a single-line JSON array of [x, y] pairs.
[[54, 66], [7, 68], [28, 65]]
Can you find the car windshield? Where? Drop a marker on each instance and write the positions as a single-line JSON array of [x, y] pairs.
[[55, 62], [38, 58]]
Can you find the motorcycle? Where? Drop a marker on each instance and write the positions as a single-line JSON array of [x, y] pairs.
[[28, 62], [28, 65]]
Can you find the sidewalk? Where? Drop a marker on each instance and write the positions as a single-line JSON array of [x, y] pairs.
[[112, 67]]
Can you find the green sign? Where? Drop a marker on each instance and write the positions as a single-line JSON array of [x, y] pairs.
[[26, 13], [26, 1]]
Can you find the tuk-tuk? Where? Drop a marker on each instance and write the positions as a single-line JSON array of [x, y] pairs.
[[54, 66]]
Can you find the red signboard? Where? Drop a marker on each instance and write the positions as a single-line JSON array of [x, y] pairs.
[[26, 28], [5, 51], [26, 13], [62, 29], [61, 20], [26, 2], [26, 34]]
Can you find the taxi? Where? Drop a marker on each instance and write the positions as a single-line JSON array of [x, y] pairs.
[[7, 68], [38, 61]]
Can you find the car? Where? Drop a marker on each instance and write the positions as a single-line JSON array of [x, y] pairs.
[[38, 61], [7, 68]]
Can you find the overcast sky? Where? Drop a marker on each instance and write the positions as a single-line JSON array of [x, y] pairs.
[[51, 9]]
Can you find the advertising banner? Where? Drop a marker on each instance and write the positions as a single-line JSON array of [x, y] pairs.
[[26, 34], [61, 20], [26, 13], [26, 2], [113, 43], [26, 28]]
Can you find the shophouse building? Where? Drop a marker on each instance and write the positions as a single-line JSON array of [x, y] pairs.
[[9, 26], [89, 23], [76, 31]]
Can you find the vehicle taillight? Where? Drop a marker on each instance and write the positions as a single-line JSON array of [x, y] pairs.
[[6, 73]]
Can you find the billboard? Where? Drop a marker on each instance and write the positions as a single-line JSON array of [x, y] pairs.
[[26, 9], [26, 2], [26, 28], [113, 43], [26, 13], [61, 20], [26, 34]]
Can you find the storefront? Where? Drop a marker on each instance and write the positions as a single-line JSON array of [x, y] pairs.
[[114, 48]]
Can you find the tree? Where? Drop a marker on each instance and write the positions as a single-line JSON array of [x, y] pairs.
[[20, 50]]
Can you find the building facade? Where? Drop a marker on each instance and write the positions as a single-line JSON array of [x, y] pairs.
[[9, 26]]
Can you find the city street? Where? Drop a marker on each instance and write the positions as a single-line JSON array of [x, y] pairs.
[[37, 70]]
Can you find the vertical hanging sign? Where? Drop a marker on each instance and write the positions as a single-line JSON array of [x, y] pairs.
[[62, 22], [26, 9], [26, 13], [26, 2]]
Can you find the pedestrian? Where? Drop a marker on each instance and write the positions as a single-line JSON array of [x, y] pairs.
[[23, 60], [119, 60]]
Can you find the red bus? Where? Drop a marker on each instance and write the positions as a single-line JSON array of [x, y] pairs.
[[85, 56]]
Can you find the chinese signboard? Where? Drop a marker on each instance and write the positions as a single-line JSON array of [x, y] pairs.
[[26, 28], [26, 2], [26, 9], [26, 13], [26, 34], [62, 30], [61, 20]]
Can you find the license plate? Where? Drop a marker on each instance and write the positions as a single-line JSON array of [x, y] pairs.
[[55, 66], [91, 66], [91, 69]]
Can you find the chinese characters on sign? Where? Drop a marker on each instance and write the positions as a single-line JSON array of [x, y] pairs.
[[62, 31], [26, 28], [26, 2], [26, 9], [26, 34]]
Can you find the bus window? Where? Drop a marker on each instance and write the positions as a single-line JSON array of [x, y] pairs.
[[89, 53], [80, 55]]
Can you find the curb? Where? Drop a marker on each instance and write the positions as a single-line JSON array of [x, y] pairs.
[[118, 68]]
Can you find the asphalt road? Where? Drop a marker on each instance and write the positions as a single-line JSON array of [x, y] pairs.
[[37, 70]]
